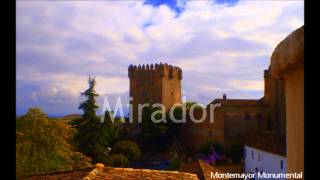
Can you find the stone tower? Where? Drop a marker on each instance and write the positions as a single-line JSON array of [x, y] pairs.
[[159, 83]]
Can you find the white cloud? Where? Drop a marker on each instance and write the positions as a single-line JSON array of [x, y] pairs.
[[227, 47], [247, 85]]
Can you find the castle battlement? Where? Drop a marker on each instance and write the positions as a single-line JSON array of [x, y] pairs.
[[161, 70]]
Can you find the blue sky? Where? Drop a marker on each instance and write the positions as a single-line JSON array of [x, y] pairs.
[[222, 47]]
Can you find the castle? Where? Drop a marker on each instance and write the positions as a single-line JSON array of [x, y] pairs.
[[280, 109], [159, 83]]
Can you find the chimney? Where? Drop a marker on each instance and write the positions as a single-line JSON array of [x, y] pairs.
[[224, 97]]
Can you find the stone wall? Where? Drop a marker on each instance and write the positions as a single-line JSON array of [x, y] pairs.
[[287, 63]]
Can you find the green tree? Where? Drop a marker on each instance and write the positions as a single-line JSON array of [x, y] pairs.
[[93, 136], [128, 148], [175, 162], [235, 152], [88, 106], [43, 145], [153, 136], [117, 160], [206, 148], [157, 137]]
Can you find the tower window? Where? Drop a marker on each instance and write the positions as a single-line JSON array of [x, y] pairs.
[[172, 93], [259, 118], [144, 94], [247, 116]]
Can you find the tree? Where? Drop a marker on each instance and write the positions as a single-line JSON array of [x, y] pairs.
[[157, 137], [117, 160], [235, 151], [128, 148], [43, 145], [206, 148], [93, 137], [88, 106], [175, 162], [153, 136]]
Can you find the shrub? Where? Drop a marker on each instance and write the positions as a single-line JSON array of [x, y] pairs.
[[175, 162], [236, 152], [128, 148], [117, 160], [206, 148], [43, 145]]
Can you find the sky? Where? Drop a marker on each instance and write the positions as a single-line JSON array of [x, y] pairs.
[[222, 47]]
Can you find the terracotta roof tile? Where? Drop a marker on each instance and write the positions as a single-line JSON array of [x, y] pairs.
[[109, 173], [208, 169]]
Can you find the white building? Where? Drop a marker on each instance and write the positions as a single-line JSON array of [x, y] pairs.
[[258, 160]]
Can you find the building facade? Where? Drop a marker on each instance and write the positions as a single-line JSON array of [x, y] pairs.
[[258, 160]]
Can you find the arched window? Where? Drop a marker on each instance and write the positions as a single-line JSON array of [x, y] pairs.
[[247, 117], [259, 119], [144, 94]]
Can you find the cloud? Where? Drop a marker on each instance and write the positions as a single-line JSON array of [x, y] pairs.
[[222, 47]]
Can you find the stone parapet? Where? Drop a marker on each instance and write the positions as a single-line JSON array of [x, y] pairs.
[[162, 70], [288, 54]]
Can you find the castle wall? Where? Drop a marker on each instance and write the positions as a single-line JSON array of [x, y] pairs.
[[240, 120], [231, 122], [193, 135]]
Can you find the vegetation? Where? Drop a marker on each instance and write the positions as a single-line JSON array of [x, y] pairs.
[[47, 144], [128, 148], [43, 145], [235, 152], [93, 136], [207, 148], [175, 162], [153, 136], [157, 137], [117, 160]]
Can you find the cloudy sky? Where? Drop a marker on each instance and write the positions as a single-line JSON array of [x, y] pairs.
[[221, 46]]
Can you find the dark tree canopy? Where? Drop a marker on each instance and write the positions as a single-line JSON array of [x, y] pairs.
[[94, 137]]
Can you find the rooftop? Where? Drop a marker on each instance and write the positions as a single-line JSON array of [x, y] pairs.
[[237, 102], [106, 173], [208, 169], [268, 141], [199, 170]]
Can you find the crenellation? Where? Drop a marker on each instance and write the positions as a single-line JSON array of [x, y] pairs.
[[162, 70]]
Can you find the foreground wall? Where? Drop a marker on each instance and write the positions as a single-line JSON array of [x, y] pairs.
[[287, 63]]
